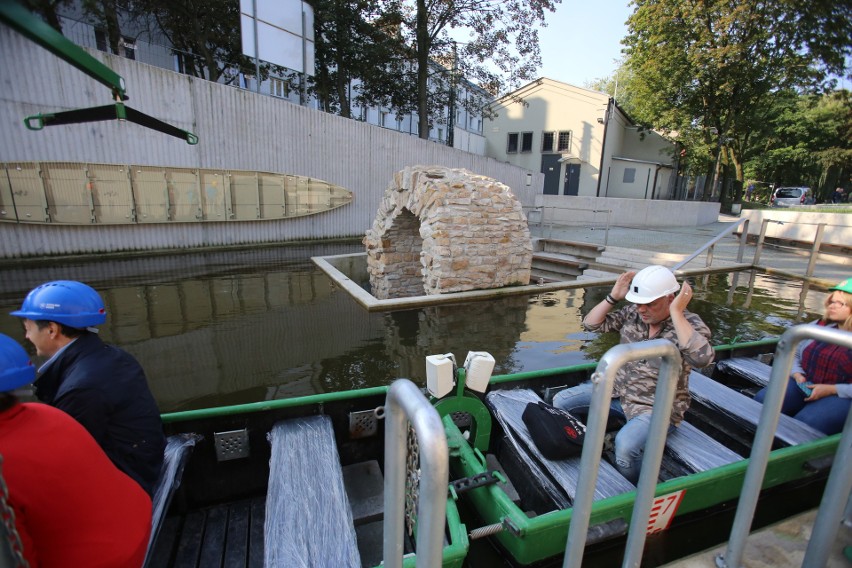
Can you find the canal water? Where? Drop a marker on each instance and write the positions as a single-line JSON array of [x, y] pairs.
[[236, 326]]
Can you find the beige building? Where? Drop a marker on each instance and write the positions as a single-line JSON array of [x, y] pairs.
[[581, 141]]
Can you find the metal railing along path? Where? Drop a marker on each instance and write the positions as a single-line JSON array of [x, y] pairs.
[[840, 480], [602, 380], [406, 403], [709, 245]]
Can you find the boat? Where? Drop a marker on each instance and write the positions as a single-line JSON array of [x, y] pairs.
[[496, 494]]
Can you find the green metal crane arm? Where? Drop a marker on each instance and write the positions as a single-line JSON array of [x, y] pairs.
[[19, 19]]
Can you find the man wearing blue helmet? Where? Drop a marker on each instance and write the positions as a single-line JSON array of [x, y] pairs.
[[72, 506], [100, 385]]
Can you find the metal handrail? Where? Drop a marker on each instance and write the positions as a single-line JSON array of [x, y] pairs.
[[708, 246], [602, 381], [406, 403], [840, 480], [542, 209]]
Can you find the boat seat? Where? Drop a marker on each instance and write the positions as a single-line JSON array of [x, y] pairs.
[[175, 456], [745, 411], [308, 517], [747, 368], [558, 478], [689, 450]]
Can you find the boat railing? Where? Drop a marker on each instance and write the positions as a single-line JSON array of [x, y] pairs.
[[711, 244], [405, 404], [602, 380], [839, 483]]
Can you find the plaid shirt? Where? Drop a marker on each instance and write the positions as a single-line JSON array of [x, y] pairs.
[[824, 363], [636, 382]]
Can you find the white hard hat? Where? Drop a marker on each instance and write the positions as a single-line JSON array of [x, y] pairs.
[[651, 283]]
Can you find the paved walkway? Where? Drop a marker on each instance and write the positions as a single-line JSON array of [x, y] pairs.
[[781, 545], [831, 268]]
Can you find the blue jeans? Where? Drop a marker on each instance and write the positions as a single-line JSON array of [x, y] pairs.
[[631, 438], [826, 414]]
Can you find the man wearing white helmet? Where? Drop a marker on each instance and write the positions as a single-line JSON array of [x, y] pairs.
[[656, 311]]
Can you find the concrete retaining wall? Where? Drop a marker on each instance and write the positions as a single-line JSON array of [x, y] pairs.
[[801, 226], [568, 210]]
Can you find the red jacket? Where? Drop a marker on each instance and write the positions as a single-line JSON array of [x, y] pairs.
[[72, 506]]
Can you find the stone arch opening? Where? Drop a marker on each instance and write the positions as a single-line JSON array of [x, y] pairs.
[[440, 230]]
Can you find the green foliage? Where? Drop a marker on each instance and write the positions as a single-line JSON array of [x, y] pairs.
[[710, 71]]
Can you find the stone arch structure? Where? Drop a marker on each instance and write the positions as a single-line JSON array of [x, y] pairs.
[[441, 230]]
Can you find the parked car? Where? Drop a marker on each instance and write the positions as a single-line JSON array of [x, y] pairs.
[[790, 196]]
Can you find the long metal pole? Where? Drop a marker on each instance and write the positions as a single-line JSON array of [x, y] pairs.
[[602, 381], [406, 403], [833, 503], [256, 47]]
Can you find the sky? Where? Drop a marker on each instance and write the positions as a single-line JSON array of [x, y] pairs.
[[582, 40]]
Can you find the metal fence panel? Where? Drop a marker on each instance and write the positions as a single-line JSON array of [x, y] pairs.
[[111, 193], [151, 194], [184, 195], [28, 192], [68, 192], [215, 200], [271, 194], [244, 195]]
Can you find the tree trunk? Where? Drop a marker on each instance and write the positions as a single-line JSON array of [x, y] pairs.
[[112, 27], [423, 46]]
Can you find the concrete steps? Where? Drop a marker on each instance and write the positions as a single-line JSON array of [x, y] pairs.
[[558, 260]]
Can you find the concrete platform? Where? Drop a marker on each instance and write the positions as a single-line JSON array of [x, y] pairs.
[[782, 545]]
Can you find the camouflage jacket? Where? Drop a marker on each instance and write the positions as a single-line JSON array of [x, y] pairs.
[[636, 382]]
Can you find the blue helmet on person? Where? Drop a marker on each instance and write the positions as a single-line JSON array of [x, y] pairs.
[[16, 369], [70, 303]]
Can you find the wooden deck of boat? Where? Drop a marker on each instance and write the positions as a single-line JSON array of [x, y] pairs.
[[228, 535]]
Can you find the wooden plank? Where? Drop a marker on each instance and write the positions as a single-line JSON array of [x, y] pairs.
[[213, 542], [189, 547], [237, 539], [258, 517]]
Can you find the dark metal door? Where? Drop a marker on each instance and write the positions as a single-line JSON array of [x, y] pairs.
[[550, 169], [572, 179]]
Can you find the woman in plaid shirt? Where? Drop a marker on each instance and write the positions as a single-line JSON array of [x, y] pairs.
[[819, 392]]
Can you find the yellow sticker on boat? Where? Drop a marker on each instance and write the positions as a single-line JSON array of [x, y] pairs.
[[663, 510]]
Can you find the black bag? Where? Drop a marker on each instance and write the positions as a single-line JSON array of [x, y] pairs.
[[556, 433]]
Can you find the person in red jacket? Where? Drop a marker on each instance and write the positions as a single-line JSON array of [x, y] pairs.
[[72, 505]]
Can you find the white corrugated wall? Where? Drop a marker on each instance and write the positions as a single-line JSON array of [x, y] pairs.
[[237, 129]]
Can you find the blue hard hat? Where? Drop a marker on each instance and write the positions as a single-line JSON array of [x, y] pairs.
[[16, 370], [67, 302]]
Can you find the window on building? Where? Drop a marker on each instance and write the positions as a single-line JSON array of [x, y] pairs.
[[129, 45], [101, 40], [629, 175], [441, 134], [383, 118], [547, 141], [512, 143], [564, 141], [526, 141], [278, 87]]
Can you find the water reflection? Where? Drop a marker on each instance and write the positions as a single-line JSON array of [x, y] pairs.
[[246, 325]]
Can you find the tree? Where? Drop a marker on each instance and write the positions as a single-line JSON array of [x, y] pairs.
[[806, 141], [357, 39], [708, 69], [48, 10], [204, 33], [502, 50]]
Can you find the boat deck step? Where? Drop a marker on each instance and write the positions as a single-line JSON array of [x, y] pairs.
[[308, 517], [225, 535], [745, 411], [747, 368]]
